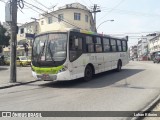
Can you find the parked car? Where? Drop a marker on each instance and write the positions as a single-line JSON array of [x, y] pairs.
[[6, 60], [156, 58], [1, 59], [21, 61]]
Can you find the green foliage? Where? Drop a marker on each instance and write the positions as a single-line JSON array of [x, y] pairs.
[[4, 40]]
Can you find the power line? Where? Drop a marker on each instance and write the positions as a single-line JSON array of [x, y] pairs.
[[134, 34], [133, 13], [40, 4], [91, 2], [112, 9], [51, 15], [20, 3], [32, 9], [83, 1]]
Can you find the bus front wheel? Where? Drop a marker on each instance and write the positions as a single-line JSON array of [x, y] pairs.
[[88, 73]]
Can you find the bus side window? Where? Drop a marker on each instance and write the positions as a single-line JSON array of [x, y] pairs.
[[89, 44], [106, 45], [119, 45], [98, 44], [124, 46], [113, 45]]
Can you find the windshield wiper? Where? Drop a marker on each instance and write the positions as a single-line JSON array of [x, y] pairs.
[[41, 52], [50, 52]]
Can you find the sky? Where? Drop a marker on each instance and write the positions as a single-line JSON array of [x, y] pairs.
[[131, 17]]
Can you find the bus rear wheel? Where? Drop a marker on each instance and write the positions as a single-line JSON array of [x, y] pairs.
[[88, 73], [119, 66]]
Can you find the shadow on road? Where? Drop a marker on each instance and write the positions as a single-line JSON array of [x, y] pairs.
[[99, 80], [3, 68]]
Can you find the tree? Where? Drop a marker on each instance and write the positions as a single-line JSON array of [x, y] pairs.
[[4, 40]]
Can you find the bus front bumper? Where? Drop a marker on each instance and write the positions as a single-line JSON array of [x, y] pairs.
[[61, 76]]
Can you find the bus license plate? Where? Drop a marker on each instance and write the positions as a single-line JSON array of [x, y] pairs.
[[45, 76]]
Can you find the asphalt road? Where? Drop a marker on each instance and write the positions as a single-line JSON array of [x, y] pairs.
[[132, 89]]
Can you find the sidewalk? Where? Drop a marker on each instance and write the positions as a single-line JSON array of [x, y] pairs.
[[24, 76], [156, 108]]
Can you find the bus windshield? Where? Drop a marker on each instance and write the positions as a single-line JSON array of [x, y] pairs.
[[49, 49]]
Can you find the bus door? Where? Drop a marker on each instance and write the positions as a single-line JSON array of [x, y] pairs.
[[114, 56], [99, 55], [107, 54], [75, 51]]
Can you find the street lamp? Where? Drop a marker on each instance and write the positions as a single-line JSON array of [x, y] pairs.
[[104, 22]]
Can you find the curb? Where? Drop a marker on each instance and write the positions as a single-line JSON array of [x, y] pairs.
[[9, 85], [150, 107]]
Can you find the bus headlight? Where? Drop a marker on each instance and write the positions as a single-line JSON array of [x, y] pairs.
[[32, 68], [63, 69]]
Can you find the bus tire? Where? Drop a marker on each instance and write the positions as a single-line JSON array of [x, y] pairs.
[[88, 73], [119, 66]]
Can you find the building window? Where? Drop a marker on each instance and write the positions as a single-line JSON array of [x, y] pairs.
[[50, 20], [77, 16], [60, 17], [86, 18], [42, 22]]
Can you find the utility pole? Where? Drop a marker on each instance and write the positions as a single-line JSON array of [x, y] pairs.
[[95, 9], [13, 70], [35, 24]]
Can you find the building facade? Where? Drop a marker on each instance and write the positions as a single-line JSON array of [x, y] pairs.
[[133, 52], [24, 37], [154, 45], [72, 15], [143, 47], [7, 27]]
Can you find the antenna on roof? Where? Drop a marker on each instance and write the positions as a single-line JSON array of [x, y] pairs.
[[53, 6]]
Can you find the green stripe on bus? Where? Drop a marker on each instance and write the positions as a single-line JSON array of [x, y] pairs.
[[47, 70]]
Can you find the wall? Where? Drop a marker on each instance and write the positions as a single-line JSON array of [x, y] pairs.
[[68, 15]]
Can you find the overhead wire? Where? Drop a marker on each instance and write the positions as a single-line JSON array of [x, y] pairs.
[[40, 4], [85, 3], [133, 13], [20, 3], [32, 9], [91, 2], [112, 9]]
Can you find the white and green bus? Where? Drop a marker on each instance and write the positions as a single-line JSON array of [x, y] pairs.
[[71, 54]]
